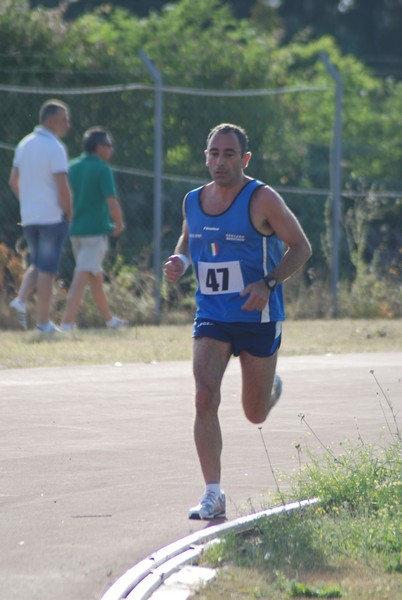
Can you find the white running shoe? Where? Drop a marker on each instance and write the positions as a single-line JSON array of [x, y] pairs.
[[276, 390], [115, 323], [66, 327], [211, 506], [48, 327], [21, 311]]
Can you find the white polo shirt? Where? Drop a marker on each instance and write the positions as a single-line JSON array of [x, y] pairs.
[[38, 157]]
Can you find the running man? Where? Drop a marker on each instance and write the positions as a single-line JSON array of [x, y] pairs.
[[234, 229]]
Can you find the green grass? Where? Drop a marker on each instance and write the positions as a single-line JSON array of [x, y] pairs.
[[349, 545], [173, 342]]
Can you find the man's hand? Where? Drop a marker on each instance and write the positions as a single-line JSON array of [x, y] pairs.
[[258, 296], [118, 230], [174, 268]]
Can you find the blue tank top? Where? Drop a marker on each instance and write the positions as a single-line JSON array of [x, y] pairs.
[[228, 254]]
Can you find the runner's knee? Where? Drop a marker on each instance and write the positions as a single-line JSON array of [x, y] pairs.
[[205, 400], [256, 415]]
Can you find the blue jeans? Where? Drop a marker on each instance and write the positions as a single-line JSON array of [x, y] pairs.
[[46, 244]]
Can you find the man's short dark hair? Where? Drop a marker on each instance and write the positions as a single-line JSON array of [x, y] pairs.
[[239, 132], [94, 136], [50, 108]]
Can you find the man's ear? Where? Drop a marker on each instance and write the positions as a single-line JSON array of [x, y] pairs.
[[246, 159]]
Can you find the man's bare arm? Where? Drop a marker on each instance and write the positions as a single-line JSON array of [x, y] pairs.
[[116, 214], [64, 191], [14, 181], [176, 264], [289, 230], [278, 219]]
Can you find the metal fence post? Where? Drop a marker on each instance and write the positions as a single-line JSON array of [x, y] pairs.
[[336, 176], [158, 144]]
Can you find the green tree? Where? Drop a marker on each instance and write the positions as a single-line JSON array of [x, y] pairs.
[[366, 28], [202, 45]]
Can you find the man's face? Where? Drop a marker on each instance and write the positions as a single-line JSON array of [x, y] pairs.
[[224, 159], [105, 149], [59, 123]]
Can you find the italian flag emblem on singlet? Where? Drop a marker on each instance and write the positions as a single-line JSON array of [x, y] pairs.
[[213, 248]]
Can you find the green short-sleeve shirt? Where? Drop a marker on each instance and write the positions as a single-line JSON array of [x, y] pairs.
[[92, 182]]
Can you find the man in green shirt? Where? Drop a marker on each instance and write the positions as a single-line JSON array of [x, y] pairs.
[[96, 214]]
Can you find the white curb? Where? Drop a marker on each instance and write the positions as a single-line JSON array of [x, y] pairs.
[[139, 582], [182, 584]]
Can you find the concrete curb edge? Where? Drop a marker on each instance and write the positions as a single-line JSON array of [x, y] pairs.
[[139, 582]]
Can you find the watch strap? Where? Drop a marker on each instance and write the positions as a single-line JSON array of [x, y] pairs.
[[270, 282]]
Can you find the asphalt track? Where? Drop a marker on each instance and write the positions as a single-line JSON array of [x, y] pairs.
[[98, 467]]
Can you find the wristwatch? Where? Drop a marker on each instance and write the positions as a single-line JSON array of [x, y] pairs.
[[270, 282]]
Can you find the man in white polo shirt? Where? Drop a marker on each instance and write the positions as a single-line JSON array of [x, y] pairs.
[[39, 179]]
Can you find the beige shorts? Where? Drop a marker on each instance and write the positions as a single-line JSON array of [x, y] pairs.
[[89, 252]]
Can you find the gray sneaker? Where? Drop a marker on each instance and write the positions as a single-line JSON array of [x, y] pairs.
[[66, 327], [210, 507], [276, 390], [48, 327], [116, 323], [21, 311]]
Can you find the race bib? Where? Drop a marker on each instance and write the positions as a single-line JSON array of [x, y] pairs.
[[220, 278]]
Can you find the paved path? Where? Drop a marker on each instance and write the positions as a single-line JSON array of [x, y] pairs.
[[98, 466]]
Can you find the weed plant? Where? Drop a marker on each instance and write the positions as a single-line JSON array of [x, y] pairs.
[[130, 291], [349, 544]]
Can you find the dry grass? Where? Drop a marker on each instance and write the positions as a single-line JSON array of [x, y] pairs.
[[95, 346], [341, 336], [173, 342], [357, 582]]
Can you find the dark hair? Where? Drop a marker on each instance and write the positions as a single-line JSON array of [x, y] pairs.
[[50, 108], [94, 136], [239, 132]]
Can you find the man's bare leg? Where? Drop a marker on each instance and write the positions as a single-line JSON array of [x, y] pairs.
[[74, 296], [210, 361], [28, 283], [27, 286], [258, 375], [44, 289], [98, 293]]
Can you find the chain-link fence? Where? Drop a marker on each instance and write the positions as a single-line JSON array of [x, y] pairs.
[[297, 165], [188, 115]]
